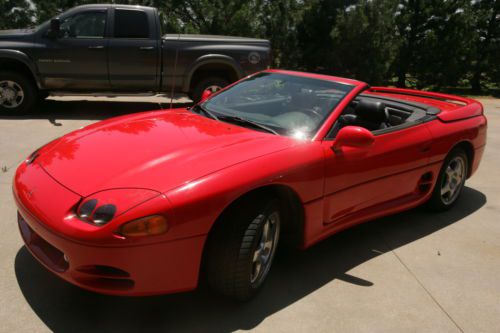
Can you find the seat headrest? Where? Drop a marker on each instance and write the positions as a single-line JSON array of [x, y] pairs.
[[371, 111]]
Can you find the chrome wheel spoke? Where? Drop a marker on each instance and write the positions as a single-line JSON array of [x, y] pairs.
[[213, 88], [257, 254], [449, 171], [453, 180], [257, 268], [445, 189], [262, 256], [11, 94]]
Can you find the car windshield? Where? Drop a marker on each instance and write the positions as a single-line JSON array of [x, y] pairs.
[[286, 104]]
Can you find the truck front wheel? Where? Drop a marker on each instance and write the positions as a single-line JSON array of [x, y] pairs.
[[18, 93], [213, 83]]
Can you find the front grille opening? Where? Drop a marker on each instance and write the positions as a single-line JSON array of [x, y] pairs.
[[52, 257], [103, 271], [106, 283]]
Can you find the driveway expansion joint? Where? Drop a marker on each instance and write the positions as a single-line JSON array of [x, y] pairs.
[[421, 284]]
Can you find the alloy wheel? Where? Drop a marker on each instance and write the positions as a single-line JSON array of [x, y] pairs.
[[453, 180], [11, 94], [266, 249]]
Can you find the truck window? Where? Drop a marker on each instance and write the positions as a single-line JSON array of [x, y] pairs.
[[90, 24], [131, 24]]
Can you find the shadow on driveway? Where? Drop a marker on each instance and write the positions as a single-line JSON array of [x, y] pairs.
[[65, 308]]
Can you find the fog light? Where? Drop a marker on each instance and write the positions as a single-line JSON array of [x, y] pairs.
[[146, 226]]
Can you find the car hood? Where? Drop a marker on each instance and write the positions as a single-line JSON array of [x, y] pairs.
[[157, 150]]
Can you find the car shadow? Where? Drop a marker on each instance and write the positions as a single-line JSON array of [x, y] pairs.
[[63, 307], [54, 110]]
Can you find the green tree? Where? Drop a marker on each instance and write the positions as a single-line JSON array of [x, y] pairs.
[[235, 17], [314, 34], [279, 20], [410, 18], [15, 14], [485, 55], [443, 56], [364, 41]]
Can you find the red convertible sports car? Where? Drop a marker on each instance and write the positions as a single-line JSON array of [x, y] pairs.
[[152, 202]]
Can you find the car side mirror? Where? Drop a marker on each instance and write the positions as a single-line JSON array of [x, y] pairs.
[[55, 28], [353, 136], [206, 94]]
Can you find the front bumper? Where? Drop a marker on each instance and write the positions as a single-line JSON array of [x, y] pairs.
[[135, 270]]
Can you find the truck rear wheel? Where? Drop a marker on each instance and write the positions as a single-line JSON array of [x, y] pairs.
[[18, 93], [213, 83]]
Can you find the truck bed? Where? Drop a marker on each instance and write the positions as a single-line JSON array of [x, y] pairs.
[[214, 38]]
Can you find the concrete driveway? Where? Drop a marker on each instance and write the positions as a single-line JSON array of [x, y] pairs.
[[412, 272]]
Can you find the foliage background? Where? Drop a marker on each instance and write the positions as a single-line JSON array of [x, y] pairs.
[[435, 44]]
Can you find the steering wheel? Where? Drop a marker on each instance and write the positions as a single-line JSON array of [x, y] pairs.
[[315, 113]]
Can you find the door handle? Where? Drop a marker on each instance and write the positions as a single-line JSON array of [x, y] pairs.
[[146, 48], [96, 47]]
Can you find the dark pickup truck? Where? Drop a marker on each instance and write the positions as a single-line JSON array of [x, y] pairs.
[[118, 49]]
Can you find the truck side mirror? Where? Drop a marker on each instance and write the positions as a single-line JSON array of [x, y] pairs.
[[55, 28], [353, 136]]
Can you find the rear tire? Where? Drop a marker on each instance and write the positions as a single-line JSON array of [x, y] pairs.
[[213, 83], [450, 182], [18, 93], [241, 249]]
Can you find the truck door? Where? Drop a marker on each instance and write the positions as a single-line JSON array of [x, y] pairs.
[[134, 51], [76, 59]]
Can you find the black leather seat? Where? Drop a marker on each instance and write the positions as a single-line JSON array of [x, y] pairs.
[[368, 114]]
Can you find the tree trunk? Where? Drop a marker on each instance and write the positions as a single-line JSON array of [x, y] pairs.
[[476, 81]]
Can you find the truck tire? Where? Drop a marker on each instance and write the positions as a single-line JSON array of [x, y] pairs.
[[213, 83], [42, 95], [18, 93], [241, 248]]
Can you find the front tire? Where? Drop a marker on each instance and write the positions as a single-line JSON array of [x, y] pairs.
[[451, 180], [241, 249], [18, 93]]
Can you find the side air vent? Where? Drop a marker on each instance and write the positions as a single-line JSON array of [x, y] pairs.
[[425, 182]]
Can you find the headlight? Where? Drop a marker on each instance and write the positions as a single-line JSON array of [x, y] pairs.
[[146, 226], [101, 207], [101, 215]]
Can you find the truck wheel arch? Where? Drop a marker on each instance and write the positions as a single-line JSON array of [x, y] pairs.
[[211, 63], [17, 60]]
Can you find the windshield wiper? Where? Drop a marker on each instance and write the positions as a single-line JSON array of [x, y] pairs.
[[200, 109], [243, 121]]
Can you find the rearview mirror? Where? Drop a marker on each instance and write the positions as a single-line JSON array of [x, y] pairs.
[[206, 94], [353, 136], [55, 28]]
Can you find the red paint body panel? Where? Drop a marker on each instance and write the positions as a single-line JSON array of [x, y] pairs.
[[189, 168], [453, 107]]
